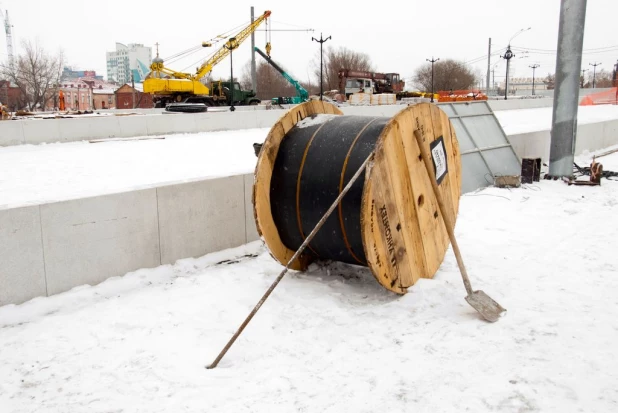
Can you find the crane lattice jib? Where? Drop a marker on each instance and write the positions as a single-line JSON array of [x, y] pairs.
[[222, 53]]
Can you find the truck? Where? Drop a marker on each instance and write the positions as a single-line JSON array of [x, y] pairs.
[[354, 81], [169, 86]]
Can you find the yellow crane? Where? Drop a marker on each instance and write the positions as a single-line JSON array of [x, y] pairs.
[[169, 85]]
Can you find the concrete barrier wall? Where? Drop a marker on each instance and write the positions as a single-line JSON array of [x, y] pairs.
[[51, 248], [515, 104], [590, 137], [151, 122]]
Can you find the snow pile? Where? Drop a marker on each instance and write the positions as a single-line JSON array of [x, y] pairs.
[[332, 339], [315, 120]]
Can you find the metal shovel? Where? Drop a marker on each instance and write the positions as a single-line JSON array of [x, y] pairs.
[[481, 302]]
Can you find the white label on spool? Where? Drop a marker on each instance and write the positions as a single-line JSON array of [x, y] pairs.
[[438, 155]]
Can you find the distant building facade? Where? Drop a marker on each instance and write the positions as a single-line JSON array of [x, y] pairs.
[[10, 95], [132, 59], [69, 73], [85, 93], [131, 98]]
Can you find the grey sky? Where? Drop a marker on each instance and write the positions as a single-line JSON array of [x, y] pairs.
[[398, 36]]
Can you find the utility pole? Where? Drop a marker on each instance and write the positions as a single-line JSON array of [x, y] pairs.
[[253, 67], [566, 93], [230, 45], [132, 90], [321, 41], [493, 78], [594, 72], [582, 79], [432, 62], [488, 66], [534, 66], [507, 56]]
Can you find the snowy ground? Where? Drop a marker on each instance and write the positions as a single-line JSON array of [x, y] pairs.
[[34, 174], [333, 340]]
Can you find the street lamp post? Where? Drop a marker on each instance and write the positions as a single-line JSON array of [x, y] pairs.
[[594, 73], [321, 41], [508, 55], [230, 46], [432, 62], [582, 78], [534, 67]]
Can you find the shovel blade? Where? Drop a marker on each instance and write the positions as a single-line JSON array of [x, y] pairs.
[[486, 306]]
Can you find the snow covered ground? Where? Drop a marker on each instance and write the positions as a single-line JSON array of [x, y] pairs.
[[34, 174], [333, 340]]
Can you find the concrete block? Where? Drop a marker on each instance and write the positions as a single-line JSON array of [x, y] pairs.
[[38, 131], [589, 137], [266, 118], [131, 126], [513, 104], [171, 123], [610, 133], [79, 129], [250, 228], [11, 133], [22, 270], [215, 121], [197, 218], [89, 240]]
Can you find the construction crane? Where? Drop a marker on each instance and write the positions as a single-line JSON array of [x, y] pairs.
[[169, 85], [9, 35], [301, 92]]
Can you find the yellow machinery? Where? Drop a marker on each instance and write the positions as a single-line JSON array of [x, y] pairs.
[[168, 85]]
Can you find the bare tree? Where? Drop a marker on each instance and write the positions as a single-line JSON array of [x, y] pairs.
[[550, 81], [270, 83], [448, 74], [37, 75], [337, 59], [602, 79]]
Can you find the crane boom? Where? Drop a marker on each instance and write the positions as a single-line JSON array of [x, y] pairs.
[[300, 91], [9, 35], [222, 53], [164, 81]]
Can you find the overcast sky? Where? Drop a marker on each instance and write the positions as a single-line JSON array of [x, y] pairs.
[[398, 36]]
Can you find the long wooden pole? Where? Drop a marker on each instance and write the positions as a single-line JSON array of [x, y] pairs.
[[294, 257]]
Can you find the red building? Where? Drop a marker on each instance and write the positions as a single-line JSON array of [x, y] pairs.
[[10, 95], [130, 98]]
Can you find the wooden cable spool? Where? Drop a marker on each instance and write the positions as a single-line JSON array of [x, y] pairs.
[[389, 221]]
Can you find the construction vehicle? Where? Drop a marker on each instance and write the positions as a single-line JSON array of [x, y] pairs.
[[301, 93], [355, 81], [169, 86]]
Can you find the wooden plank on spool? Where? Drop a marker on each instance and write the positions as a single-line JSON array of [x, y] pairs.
[[399, 185], [388, 225], [263, 174]]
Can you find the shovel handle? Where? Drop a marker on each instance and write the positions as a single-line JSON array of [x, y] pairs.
[[445, 216]]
